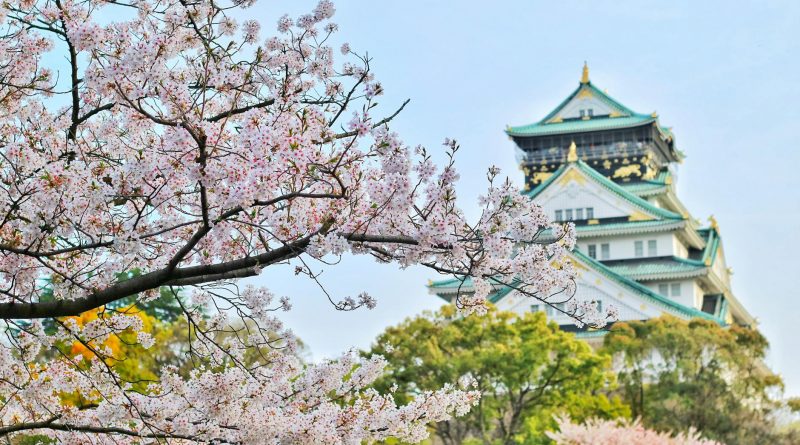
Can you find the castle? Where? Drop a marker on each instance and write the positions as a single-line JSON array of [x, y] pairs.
[[611, 171]]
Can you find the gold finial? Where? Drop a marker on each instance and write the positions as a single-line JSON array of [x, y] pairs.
[[572, 155], [654, 114], [713, 222], [585, 76]]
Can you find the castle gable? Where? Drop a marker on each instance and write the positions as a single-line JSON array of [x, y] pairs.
[[576, 192]]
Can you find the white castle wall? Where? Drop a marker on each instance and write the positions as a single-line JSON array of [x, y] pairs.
[[623, 246]]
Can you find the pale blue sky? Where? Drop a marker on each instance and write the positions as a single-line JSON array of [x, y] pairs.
[[724, 75]]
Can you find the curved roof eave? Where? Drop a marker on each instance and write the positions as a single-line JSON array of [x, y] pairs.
[[580, 126], [646, 291], [624, 117]]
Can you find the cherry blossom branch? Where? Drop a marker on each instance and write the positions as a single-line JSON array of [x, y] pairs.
[[51, 425], [152, 280], [198, 153]]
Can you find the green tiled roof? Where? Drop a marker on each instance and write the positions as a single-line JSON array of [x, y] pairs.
[[608, 272], [595, 92], [660, 268], [712, 245], [638, 270], [624, 117], [623, 227], [609, 185], [592, 334], [675, 266], [580, 125], [644, 188], [629, 227], [453, 282], [644, 290], [466, 286], [649, 187]]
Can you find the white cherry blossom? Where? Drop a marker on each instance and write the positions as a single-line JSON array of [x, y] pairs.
[[173, 149]]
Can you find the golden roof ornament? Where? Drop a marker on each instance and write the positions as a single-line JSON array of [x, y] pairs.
[[572, 155], [585, 75], [713, 222]]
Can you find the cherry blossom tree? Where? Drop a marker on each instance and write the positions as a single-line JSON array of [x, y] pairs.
[[149, 145], [610, 432]]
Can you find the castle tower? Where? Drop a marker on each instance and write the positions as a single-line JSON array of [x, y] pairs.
[[610, 171], [619, 143]]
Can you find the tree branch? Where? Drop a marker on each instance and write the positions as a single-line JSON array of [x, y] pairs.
[[153, 280], [50, 425]]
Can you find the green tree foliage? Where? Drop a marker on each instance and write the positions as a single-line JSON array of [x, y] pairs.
[[676, 374], [527, 370]]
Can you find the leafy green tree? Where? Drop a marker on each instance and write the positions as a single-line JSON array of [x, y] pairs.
[[677, 374], [526, 369]]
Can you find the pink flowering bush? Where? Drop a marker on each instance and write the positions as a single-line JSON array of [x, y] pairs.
[[616, 432], [171, 140]]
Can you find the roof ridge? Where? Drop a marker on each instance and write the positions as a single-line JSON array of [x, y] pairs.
[[610, 100], [688, 261], [559, 106], [614, 187], [647, 260], [597, 123], [617, 106], [602, 95]]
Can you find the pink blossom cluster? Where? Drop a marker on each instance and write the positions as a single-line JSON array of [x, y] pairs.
[[185, 147], [285, 403], [614, 432]]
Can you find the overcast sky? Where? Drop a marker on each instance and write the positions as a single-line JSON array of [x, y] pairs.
[[724, 76]]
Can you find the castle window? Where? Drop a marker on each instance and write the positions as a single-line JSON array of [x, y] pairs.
[[599, 305], [568, 214], [554, 310], [590, 213], [652, 248], [559, 215], [638, 249], [579, 214], [592, 248], [670, 289], [710, 303], [583, 113], [591, 112], [535, 308], [605, 251]]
